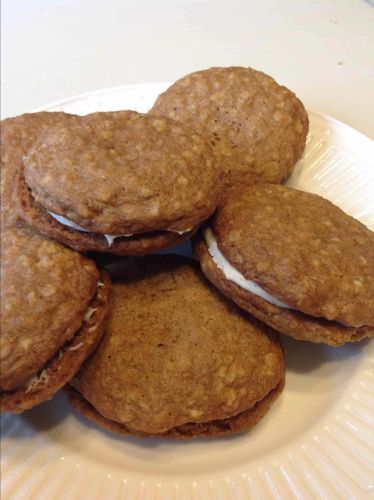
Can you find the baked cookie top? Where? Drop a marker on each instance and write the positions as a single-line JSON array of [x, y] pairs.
[[124, 173], [45, 290], [176, 351], [257, 127], [17, 136], [302, 249]]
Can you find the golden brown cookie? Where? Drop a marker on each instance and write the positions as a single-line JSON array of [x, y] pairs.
[[257, 128], [54, 303], [17, 136], [177, 355], [142, 181], [313, 262]]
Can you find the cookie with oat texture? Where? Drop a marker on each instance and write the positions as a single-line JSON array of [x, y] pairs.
[[118, 182], [178, 360], [257, 127], [293, 260], [18, 134], [54, 304]]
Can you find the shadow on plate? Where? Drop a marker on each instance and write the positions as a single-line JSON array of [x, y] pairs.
[[302, 356], [48, 415]]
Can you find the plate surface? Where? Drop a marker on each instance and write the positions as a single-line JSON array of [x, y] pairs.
[[315, 442]]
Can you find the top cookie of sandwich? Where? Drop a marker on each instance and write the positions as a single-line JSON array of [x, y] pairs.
[[257, 127], [124, 173], [301, 249]]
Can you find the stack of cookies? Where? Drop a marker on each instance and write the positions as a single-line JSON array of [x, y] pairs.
[[163, 345]]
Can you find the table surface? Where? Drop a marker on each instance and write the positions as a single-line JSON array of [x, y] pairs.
[[321, 49]]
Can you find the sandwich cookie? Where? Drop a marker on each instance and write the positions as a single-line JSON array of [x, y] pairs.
[[178, 359], [119, 182], [17, 136], [293, 260], [257, 128], [54, 304]]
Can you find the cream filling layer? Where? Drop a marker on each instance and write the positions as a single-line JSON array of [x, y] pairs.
[[69, 223], [109, 237], [234, 275]]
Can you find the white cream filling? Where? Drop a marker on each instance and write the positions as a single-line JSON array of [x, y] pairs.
[[234, 275], [76, 347], [109, 237], [66, 222], [181, 232], [89, 314], [36, 380]]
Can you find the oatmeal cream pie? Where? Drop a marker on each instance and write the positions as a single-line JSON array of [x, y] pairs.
[[119, 182], [54, 303], [17, 135], [293, 260], [257, 128], [178, 359]]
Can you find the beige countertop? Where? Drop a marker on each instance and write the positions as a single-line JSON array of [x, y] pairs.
[[323, 50]]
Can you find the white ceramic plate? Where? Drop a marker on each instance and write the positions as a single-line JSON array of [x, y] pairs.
[[317, 440]]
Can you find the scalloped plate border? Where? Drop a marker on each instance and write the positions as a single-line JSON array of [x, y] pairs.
[[332, 459]]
